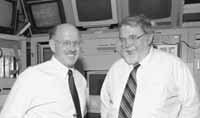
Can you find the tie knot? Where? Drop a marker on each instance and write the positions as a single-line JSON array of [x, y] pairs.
[[134, 70], [136, 66], [70, 72]]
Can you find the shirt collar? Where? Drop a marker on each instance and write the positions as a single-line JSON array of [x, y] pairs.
[[59, 67], [146, 59]]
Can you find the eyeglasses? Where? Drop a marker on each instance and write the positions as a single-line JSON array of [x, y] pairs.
[[125, 42], [68, 43]]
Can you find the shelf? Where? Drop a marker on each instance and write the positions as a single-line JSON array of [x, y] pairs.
[[18, 45], [11, 37]]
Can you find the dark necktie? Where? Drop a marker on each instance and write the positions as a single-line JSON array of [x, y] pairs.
[[74, 93], [125, 110]]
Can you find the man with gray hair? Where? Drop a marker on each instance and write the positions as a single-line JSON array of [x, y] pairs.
[[146, 82]]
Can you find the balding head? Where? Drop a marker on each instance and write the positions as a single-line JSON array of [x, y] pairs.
[[65, 44], [62, 28]]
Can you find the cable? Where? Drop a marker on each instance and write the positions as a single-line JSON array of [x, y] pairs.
[[187, 44]]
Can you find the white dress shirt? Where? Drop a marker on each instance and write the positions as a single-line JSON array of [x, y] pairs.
[[165, 88], [42, 91]]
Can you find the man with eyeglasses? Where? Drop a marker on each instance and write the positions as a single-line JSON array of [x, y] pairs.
[[53, 89], [146, 82]]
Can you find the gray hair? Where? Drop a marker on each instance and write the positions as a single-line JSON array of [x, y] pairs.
[[140, 20]]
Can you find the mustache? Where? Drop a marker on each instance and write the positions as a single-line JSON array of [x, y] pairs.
[[72, 52], [121, 51]]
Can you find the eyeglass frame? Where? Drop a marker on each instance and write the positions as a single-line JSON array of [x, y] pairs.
[[132, 38], [68, 43]]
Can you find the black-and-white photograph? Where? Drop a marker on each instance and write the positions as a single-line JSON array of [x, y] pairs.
[[100, 59]]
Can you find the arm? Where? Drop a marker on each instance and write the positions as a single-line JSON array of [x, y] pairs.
[[189, 94], [105, 98], [18, 99]]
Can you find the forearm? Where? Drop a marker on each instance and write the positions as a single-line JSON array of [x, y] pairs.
[[191, 109]]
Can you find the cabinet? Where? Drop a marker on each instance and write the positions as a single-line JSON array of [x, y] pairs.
[[12, 60]]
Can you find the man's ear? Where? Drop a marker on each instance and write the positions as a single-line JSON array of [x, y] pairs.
[[52, 45]]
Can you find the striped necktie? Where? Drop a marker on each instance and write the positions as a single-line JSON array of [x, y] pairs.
[[125, 110], [74, 94]]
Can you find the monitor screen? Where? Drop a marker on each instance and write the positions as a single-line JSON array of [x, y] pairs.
[[191, 1], [95, 83], [8, 16], [153, 9], [191, 13], [95, 79], [45, 15], [95, 13], [163, 12], [90, 10]]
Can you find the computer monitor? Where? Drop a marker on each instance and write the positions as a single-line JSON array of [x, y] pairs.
[[43, 15], [163, 12], [8, 12], [94, 13], [190, 16]]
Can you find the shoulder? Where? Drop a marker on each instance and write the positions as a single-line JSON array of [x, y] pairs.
[[167, 60], [34, 72], [43, 66], [118, 69], [120, 64], [166, 57], [27, 79]]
